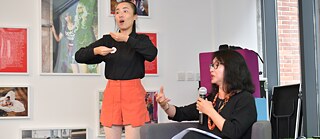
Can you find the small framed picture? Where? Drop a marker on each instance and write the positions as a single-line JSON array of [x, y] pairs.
[[13, 50], [54, 133], [151, 105], [14, 102], [143, 9], [100, 126]]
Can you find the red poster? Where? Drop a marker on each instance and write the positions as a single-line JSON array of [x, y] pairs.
[[151, 68], [13, 50]]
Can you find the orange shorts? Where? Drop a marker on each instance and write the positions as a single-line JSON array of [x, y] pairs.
[[124, 103]]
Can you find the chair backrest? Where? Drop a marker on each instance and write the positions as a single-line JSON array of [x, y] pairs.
[[284, 110], [261, 130]]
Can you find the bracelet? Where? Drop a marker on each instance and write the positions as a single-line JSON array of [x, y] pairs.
[[168, 106]]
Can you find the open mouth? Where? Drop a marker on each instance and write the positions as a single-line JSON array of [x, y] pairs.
[[121, 21]]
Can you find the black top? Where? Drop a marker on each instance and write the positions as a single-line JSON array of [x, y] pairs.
[[240, 114], [127, 62]]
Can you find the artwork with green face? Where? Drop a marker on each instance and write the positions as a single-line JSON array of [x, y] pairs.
[[69, 25]]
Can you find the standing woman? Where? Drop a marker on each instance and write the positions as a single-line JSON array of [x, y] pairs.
[[124, 54]]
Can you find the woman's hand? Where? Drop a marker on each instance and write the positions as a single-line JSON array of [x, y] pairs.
[[204, 106], [119, 37], [52, 28], [161, 98], [102, 50]]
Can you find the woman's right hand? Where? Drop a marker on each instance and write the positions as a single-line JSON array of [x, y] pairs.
[[102, 50], [161, 98], [52, 28]]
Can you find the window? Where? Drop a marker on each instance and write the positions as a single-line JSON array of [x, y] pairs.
[[288, 41]]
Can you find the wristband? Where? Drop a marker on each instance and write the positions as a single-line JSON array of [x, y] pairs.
[[168, 106]]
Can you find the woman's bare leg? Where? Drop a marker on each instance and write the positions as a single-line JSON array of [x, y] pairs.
[[132, 132], [113, 132]]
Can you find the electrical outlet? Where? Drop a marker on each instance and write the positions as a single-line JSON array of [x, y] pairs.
[[190, 76], [181, 76], [197, 76]]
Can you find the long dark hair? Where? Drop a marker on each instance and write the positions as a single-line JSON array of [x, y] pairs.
[[237, 76], [133, 6]]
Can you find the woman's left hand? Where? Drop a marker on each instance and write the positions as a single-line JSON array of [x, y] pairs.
[[119, 37], [204, 106]]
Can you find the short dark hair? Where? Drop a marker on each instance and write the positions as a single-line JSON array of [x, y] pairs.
[[237, 76]]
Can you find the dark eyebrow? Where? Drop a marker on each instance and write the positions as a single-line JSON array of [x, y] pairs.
[[122, 8]]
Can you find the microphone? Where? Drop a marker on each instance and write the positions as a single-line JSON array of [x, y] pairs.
[[202, 94]]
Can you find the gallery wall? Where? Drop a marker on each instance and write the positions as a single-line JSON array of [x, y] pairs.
[[184, 29]]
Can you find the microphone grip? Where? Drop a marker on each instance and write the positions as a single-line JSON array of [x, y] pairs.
[[200, 118], [200, 113]]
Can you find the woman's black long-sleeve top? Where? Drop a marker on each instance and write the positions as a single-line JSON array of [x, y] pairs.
[[240, 114], [127, 62]]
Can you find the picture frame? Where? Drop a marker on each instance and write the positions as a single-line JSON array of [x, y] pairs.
[[14, 102], [67, 26], [150, 98], [59, 132], [151, 68], [14, 50], [143, 8], [100, 129], [152, 106]]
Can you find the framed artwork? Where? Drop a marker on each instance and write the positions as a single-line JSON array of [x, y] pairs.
[[13, 50], [14, 102], [151, 68], [151, 105], [55, 133], [67, 26], [143, 9], [100, 127]]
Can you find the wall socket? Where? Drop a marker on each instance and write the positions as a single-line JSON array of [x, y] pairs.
[[181, 76], [197, 76], [190, 76]]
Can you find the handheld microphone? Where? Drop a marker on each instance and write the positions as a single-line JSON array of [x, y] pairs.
[[202, 94]]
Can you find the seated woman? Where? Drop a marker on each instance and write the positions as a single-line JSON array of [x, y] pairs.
[[229, 111]]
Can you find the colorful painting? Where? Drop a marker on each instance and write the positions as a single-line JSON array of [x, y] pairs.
[[14, 102], [67, 26], [13, 51]]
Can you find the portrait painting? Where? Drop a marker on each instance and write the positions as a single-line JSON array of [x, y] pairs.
[[14, 102], [67, 26]]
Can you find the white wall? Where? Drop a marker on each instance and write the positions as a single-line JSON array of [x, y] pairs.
[[235, 23], [185, 28]]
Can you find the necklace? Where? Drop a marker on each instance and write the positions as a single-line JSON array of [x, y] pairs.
[[211, 124]]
